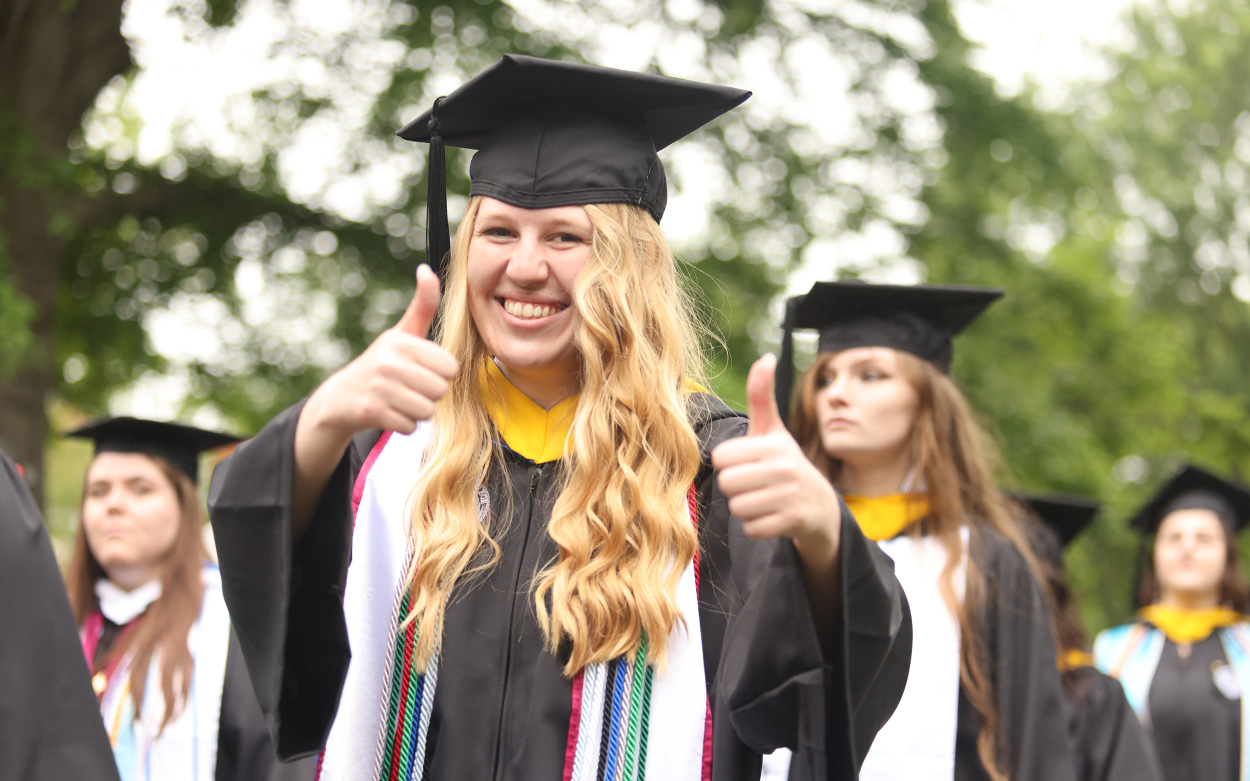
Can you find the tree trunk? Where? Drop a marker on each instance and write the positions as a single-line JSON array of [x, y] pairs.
[[55, 57]]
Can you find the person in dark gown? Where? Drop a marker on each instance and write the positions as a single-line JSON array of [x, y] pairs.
[[534, 546], [1109, 743], [173, 691], [1185, 664], [879, 415], [50, 726]]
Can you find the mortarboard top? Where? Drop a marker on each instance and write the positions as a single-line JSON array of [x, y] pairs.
[[918, 319], [1195, 488], [551, 133], [180, 445], [1066, 516]]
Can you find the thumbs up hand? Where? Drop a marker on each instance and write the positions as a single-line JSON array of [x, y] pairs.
[[770, 483], [393, 384]]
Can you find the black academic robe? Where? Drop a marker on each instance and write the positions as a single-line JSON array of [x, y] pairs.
[[50, 728], [769, 684], [244, 749], [1196, 727], [1015, 632], [1108, 741]]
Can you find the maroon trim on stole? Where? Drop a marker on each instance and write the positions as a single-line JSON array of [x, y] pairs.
[[358, 492], [92, 630], [575, 719]]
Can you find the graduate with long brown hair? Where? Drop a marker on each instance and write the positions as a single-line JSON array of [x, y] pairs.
[[174, 695], [879, 415], [552, 553]]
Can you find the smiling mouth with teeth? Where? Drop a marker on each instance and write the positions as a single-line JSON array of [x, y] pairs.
[[519, 309]]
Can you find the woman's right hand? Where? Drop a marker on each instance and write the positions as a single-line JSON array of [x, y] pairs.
[[395, 383], [392, 385]]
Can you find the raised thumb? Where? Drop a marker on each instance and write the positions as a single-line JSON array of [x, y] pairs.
[[761, 398], [420, 312]]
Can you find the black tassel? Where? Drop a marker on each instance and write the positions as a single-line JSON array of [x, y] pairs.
[[438, 234], [784, 377]]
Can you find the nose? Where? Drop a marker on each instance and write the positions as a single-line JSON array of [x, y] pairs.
[[527, 267], [835, 392], [113, 500]]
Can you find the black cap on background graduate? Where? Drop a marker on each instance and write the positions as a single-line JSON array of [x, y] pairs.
[[1196, 489], [178, 444], [1062, 518], [551, 133], [918, 319]]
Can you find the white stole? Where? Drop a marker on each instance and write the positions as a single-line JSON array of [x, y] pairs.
[[380, 547], [918, 742]]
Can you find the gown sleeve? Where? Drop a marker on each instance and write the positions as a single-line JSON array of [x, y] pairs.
[[244, 749], [50, 726], [780, 689], [285, 599], [1110, 743]]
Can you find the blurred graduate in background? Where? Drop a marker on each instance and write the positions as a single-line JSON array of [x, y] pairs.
[[1108, 741], [878, 413], [173, 692], [1185, 664]]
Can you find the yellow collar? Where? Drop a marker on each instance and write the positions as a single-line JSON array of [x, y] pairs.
[[1074, 658], [884, 517], [536, 433], [1186, 626]]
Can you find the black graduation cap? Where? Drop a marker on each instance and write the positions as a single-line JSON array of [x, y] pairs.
[[180, 445], [552, 133], [1195, 488], [919, 319], [1066, 516]]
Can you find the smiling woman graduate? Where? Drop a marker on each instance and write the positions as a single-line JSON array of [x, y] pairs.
[[517, 525], [1185, 664], [879, 415]]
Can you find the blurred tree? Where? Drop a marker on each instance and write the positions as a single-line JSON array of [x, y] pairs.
[[1119, 228], [219, 265]]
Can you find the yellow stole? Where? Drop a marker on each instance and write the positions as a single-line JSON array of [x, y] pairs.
[[536, 433], [884, 517], [1074, 658], [1185, 626]]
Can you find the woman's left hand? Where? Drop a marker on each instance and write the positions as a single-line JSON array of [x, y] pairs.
[[770, 483]]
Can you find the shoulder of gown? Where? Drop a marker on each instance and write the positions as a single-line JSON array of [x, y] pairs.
[[774, 681], [50, 726]]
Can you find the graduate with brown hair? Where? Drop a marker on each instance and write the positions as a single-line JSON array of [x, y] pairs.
[[173, 692], [879, 415]]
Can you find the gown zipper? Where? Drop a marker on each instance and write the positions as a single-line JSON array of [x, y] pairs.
[[535, 474]]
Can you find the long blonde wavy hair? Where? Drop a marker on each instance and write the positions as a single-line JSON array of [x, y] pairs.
[[958, 461], [620, 522]]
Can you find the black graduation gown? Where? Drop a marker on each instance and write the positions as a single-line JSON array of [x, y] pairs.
[[768, 683], [1108, 741], [244, 749], [50, 727], [1196, 728], [1015, 630]]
